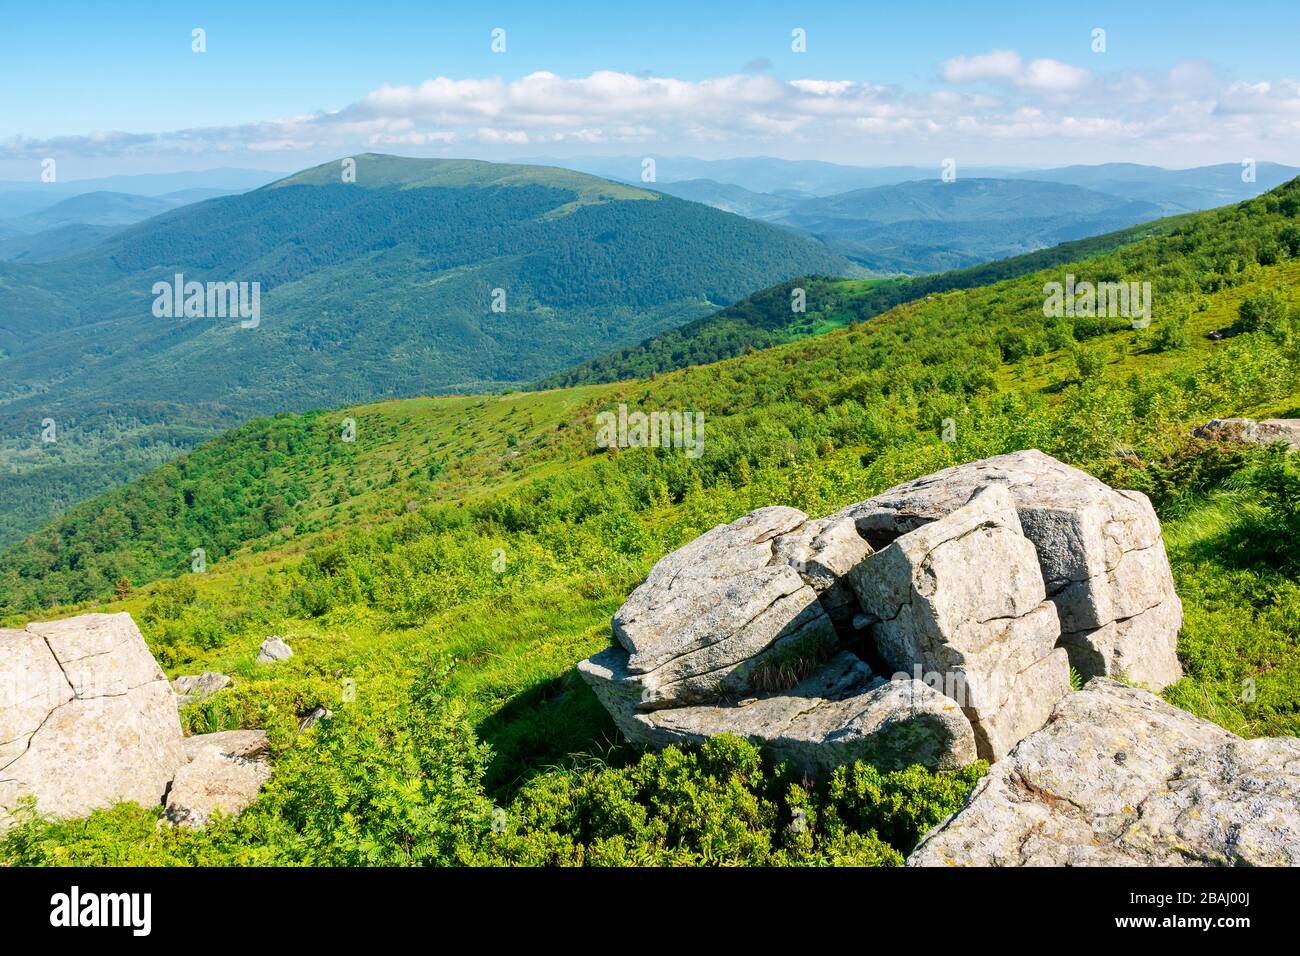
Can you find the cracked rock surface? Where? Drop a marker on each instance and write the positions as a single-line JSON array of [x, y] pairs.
[[738, 632], [225, 771], [707, 616], [1118, 777], [962, 598], [1100, 552], [840, 714], [87, 718]]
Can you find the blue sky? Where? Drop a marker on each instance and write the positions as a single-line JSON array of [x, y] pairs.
[[116, 88]]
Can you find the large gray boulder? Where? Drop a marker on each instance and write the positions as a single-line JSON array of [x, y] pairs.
[[87, 718], [1100, 552], [1118, 777], [961, 599], [701, 625], [982, 584], [225, 771], [840, 713]]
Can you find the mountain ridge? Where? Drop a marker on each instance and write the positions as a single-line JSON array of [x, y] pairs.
[[383, 287]]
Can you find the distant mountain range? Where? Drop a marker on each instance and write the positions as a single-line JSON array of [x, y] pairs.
[[1181, 190], [422, 276], [228, 179], [40, 222], [905, 220], [798, 178]]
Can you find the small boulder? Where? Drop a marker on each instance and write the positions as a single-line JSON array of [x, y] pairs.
[[1255, 432], [192, 689], [236, 743], [1118, 777], [274, 649], [314, 717], [225, 772]]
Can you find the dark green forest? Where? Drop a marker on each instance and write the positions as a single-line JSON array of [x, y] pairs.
[[374, 289]]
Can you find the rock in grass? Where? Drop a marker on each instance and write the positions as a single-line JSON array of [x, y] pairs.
[[314, 717], [274, 649], [1118, 777], [87, 718], [194, 688], [986, 582], [1254, 432], [225, 772]]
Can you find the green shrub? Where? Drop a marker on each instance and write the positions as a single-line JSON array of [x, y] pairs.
[[1268, 310], [1171, 336]]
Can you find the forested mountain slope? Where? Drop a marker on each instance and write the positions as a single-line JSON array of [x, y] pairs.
[[767, 318], [421, 276]]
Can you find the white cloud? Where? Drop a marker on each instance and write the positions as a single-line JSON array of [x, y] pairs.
[[1005, 65], [1038, 106], [1008, 67], [516, 137]]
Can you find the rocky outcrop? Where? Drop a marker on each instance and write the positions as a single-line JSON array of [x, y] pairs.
[[194, 688], [1117, 777], [737, 633], [1100, 551], [713, 616], [225, 771], [842, 712], [962, 599], [978, 586], [87, 718], [273, 649], [1255, 432]]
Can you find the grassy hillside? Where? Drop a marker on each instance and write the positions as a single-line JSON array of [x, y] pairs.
[[374, 289], [458, 558], [766, 318]]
